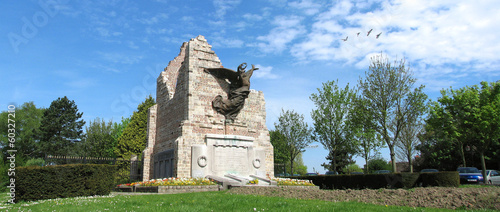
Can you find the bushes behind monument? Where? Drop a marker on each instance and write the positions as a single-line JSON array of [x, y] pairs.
[[392, 180], [49, 182]]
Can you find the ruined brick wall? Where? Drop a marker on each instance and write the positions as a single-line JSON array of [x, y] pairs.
[[185, 114]]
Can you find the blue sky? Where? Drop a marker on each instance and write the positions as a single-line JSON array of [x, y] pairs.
[[106, 55]]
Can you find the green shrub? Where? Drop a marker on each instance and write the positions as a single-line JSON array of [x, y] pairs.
[[49, 182], [35, 162]]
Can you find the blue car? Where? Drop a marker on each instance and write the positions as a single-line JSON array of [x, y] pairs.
[[469, 175]]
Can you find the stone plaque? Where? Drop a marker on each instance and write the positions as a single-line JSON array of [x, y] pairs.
[[230, 160]]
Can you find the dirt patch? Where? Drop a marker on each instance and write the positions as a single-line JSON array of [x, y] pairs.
[[487, 197]]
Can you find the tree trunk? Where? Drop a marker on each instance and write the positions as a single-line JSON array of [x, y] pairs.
[[483, 167], [334, 162], [393, 158], [367, 170], [463, 154], [410, 163]]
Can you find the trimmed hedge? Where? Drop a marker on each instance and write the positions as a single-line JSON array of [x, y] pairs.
[[377, 181], [441, 179], [49, 182]]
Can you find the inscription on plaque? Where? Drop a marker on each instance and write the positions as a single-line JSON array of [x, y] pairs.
[[231, 159]]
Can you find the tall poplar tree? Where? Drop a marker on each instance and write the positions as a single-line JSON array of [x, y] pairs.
[[134, 137]]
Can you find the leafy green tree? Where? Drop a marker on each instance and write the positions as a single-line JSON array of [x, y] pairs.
[[61, 128], [27, 124], [99, 141], [296, 133], [332, 125], [134, 137], [378, 163], [387, 88], [485, 127], [469, 116], [437, 152], [279, 147], [353, 167], [298, 166], [118, 128], [364, 131]]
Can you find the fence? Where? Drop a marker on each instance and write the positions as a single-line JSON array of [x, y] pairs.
[[135, 173]]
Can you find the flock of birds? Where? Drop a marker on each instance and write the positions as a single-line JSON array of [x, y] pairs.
[[367, 34]]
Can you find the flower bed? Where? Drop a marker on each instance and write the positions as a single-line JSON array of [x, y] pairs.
[[173, 181], [292, 182], [170, 185]]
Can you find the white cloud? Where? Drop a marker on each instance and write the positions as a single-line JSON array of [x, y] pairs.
[[121, 58], [264, 72], [155, 19], [435, 33], [287, 29], [306, 6], [252, 17], [222, 6]]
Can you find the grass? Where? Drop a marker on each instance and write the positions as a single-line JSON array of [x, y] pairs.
[[202, 201]]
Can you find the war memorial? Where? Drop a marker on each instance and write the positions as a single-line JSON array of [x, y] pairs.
[[207, 121]]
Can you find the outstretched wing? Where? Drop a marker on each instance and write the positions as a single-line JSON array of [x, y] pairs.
[[223, 73]]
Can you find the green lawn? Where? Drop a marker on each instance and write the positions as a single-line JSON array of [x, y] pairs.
[[203, 201]]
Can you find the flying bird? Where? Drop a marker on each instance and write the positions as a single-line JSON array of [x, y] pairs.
[[345, 38], [369, 32], [378, 35], [358, 33]]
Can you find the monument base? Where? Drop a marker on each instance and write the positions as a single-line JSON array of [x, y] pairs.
[[228, 155]]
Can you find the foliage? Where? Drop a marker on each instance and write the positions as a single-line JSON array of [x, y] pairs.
[[378, 163], [173, 181], [35, 162], [468, 116], [296, 133], [27, 124], [437, 151], [298, 166], [134, 137], [4, 177], [48, 182], [332, 125], [369, 140], [119, 127], [279, 147], [99, 141], [61, 128], [344, 158], [349, 169], [387, 91]]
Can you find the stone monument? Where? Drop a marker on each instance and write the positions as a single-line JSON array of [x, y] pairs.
[[207, 122]]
